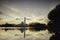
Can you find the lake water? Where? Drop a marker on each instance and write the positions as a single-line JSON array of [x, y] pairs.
[[30, 35]]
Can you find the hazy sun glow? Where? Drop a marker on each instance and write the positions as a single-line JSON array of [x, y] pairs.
[[15, 11]]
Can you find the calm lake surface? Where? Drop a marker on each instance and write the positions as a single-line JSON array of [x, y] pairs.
[[30, 35]]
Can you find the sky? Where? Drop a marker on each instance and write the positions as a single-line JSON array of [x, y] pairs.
[[14, 11]]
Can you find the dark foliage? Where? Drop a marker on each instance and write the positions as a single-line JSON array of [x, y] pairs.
[[54, 16], [54, 27], [37, 26], [55, 37], [13, 25], [54, 24]]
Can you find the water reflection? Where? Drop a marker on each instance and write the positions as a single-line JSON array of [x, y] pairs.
[[17, 35]]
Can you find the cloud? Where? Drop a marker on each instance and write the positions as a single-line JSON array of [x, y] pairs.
[[1, 13]]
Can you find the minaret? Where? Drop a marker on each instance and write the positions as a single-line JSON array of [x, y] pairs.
[[24, 26]]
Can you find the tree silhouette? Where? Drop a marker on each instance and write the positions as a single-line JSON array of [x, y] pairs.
[[54, 16], [54, 24], [37, 26], [55, 37]]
